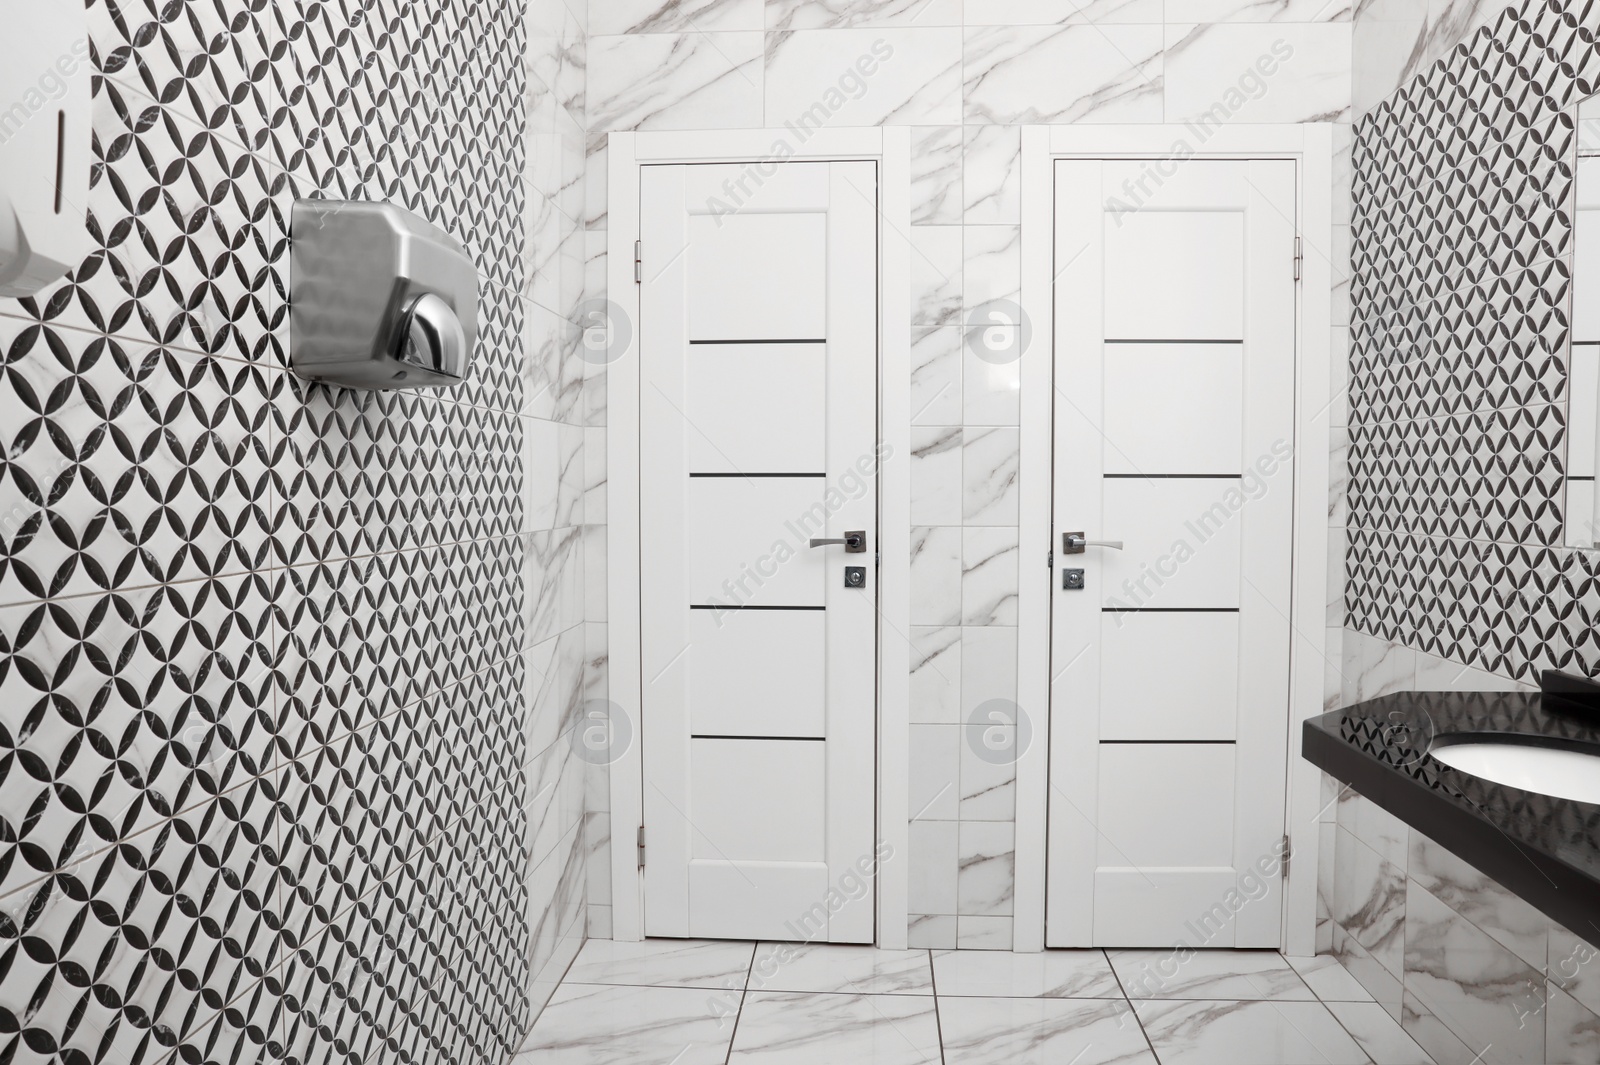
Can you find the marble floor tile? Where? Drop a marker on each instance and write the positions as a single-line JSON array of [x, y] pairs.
[[1002, 974], [663, 963], [1330, 981], [797, 1028], [841, 970], [1039, 1031], [1379, 1034], [1261, 1033], [1208, 974], [587, 1024]]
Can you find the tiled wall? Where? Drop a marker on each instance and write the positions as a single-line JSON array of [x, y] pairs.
[[1471, 971], [965, 75], [1461, 259], [269, 786], [1461, 252]]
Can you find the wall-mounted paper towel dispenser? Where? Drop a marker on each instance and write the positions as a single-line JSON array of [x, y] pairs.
[[379, 298], [45, 142]]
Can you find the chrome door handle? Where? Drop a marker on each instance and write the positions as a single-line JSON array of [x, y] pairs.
[[1073, 543], [854, 541]]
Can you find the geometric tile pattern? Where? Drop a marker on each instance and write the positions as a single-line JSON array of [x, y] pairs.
[[262, 667], [1461, 291]]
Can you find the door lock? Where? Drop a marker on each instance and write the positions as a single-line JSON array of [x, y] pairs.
[[1072, 580], [855, 576]]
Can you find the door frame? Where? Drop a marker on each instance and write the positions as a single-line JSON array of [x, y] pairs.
[[1311, 146], [890, 148]]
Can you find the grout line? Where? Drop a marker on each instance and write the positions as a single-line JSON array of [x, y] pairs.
[[938, 1021], [1129, 1003]]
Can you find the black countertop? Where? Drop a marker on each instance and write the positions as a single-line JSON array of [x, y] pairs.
[[1544, 849]]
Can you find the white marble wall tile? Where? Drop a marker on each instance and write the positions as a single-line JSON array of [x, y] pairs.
[[1372, 667], [1431, 1034], [1343, 176], [1258, 10], [674, 16], [988, 787], [931, 931], [1384, 54], [1338, 255], [1333, 669], [937, 353], [864, 77], [936, 170], [935, 760], [1452, 21], [597, 921], [936, 275], [932, 872], [594, 186], [1386, 834], [1059, 12], [988, 667], [594, 476], [1507, 919], [573, 475], [843, 14], [1369, 901], [989, 576], [991, 386], [992, 175], [986, 880], [935, 674], [935, 575], [1338, 493], [1212, 70], [1481, 990], [991, 262], [983, 933], [1018, 75], [1333, 590], [1435, 674], [936, 463], [541, 471], [1572, 1033], [594, 573], [989, 460], [1384, 986], [675, 81]]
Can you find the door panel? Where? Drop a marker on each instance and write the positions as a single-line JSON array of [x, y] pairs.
[[754, 673], [731, 433], [1192, 392], [1174, 355], [758, 432], [734, 523]]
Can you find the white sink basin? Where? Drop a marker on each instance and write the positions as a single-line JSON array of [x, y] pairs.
[[1547, 770]]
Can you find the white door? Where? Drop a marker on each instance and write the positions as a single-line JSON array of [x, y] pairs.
[[1174, 426], [758, 433]]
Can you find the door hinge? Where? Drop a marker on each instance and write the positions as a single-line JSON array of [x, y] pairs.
[[1297, 258], [1288, 853], [638, 263], [877, 558], [641, 846], [1050, 560]]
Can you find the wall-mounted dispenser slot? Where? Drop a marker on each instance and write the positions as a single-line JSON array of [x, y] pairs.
[[45, 142], [379, 298]]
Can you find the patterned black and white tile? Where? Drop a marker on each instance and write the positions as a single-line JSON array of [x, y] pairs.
[[264, 646], [1461, 295]]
